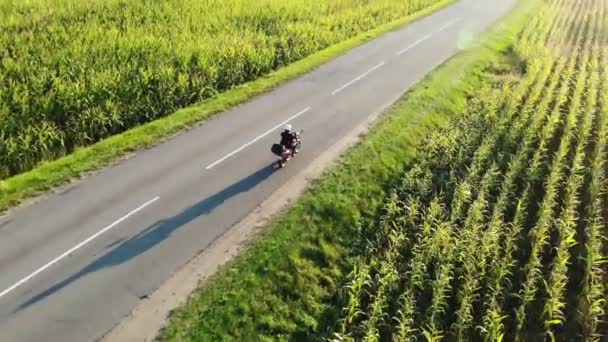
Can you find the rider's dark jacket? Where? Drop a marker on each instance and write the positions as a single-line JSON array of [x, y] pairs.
[[287, 139]]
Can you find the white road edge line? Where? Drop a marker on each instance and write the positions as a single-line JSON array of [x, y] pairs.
[[71, 250], [357, 78], [414, 44], [257, 138], [448, 24]]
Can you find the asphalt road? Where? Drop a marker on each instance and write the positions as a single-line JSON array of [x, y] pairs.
[[74, 264]]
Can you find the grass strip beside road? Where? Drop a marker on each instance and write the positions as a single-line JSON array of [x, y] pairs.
[[49, 175], [288, 285]]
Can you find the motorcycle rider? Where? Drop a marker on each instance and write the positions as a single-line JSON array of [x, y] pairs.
[[288, 138]]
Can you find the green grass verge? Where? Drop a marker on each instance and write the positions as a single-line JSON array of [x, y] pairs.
[[48, 175], [287, 286]]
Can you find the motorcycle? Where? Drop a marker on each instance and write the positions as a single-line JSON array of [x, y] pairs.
[[285, 154]]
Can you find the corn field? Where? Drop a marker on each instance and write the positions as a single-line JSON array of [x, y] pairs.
[[74, 72], [499, 232]]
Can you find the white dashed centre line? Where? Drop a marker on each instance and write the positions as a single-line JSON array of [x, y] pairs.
[[414, 44], [357, 78], [449, 23], [257, 138], [73, 249]]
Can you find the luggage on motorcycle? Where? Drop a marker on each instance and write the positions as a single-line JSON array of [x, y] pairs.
[[277, 149]]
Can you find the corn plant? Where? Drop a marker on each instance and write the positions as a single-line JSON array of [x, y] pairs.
[[539, 233], [489, 233]]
